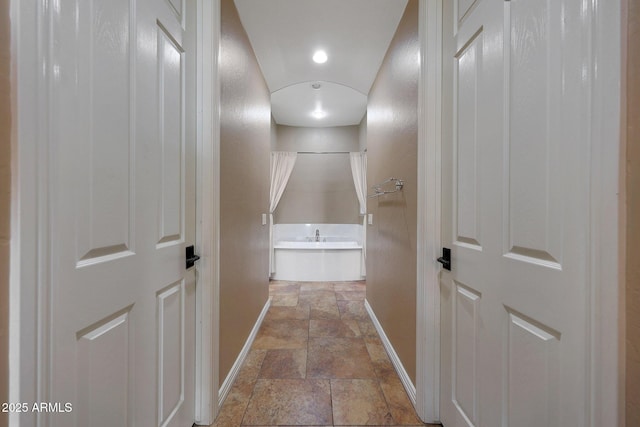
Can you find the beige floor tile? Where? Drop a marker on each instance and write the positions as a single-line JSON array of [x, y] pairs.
[[350, 295], [234, 406], [375, 348], [367, 329], [338, 358], [316, 286], [352, 310], [299, 312], [281, 334], [349, 286], [284, 300], [384, 369], [280, 364], [328, 337], [317, 298], [251, 367], [324, 310], [289, 402], [283, 288], [399, 404], [334, 328], [231, 414], [359, 402], [280, 282]]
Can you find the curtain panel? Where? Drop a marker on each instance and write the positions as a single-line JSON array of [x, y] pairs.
[[282, 163], [359, 172]]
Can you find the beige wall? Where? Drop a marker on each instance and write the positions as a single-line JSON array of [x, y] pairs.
[[274, 134], [320, 189], [633, 217], [245, 133], [5, 201], [362, 136], [338, 138], [392, 148]]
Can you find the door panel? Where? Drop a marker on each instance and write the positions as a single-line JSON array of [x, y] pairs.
[[533, 83], [531, 372], [465, 352], [122, 308], [94, 68], [514, 307], [171, 115], [468, 66], [170, 351], [462, 9], [104, 359], [178, 8]]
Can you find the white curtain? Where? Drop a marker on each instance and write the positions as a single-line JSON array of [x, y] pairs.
[[359, 172], [282, 163]]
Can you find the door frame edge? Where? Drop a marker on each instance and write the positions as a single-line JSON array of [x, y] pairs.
[[429, 211], [208, 212], [606, 202], [30, 249]]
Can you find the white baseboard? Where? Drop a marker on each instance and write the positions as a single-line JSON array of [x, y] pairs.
[[397, 364], [235, 369]]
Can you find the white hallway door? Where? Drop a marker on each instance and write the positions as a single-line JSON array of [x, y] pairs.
[[122, 168], [515, 309]]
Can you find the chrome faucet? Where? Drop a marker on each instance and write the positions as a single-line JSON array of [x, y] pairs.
[[317, 235]]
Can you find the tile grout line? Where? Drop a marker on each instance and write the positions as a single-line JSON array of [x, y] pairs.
[[253, 389], [333, 415]]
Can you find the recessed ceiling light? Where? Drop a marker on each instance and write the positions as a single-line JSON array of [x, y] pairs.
[[320, 57], [319, 114]]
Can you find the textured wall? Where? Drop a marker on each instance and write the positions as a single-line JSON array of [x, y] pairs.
[[339, 138], [392, 148], [245, 139], [321, 188], [633, 217], [274, 134], [362, 136], [5, 200]]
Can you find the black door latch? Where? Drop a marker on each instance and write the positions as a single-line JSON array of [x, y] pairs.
[[445, 259], [191, 256]]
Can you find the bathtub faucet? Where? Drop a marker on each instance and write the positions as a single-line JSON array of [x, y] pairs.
[[317, 235]]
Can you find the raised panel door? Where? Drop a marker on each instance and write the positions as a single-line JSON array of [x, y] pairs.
[[122, 305], [514, 308]]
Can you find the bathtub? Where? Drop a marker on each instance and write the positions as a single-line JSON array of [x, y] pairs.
[[336, 256]]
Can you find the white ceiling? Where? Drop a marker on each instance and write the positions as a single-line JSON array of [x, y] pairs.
[[354, 33]]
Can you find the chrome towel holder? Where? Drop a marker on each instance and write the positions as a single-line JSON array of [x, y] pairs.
[[379, 191]]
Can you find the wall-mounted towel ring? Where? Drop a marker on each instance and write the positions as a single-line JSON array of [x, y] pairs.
[[379, 191]]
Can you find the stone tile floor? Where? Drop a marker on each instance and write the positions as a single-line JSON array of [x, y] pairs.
[[317, 361]]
